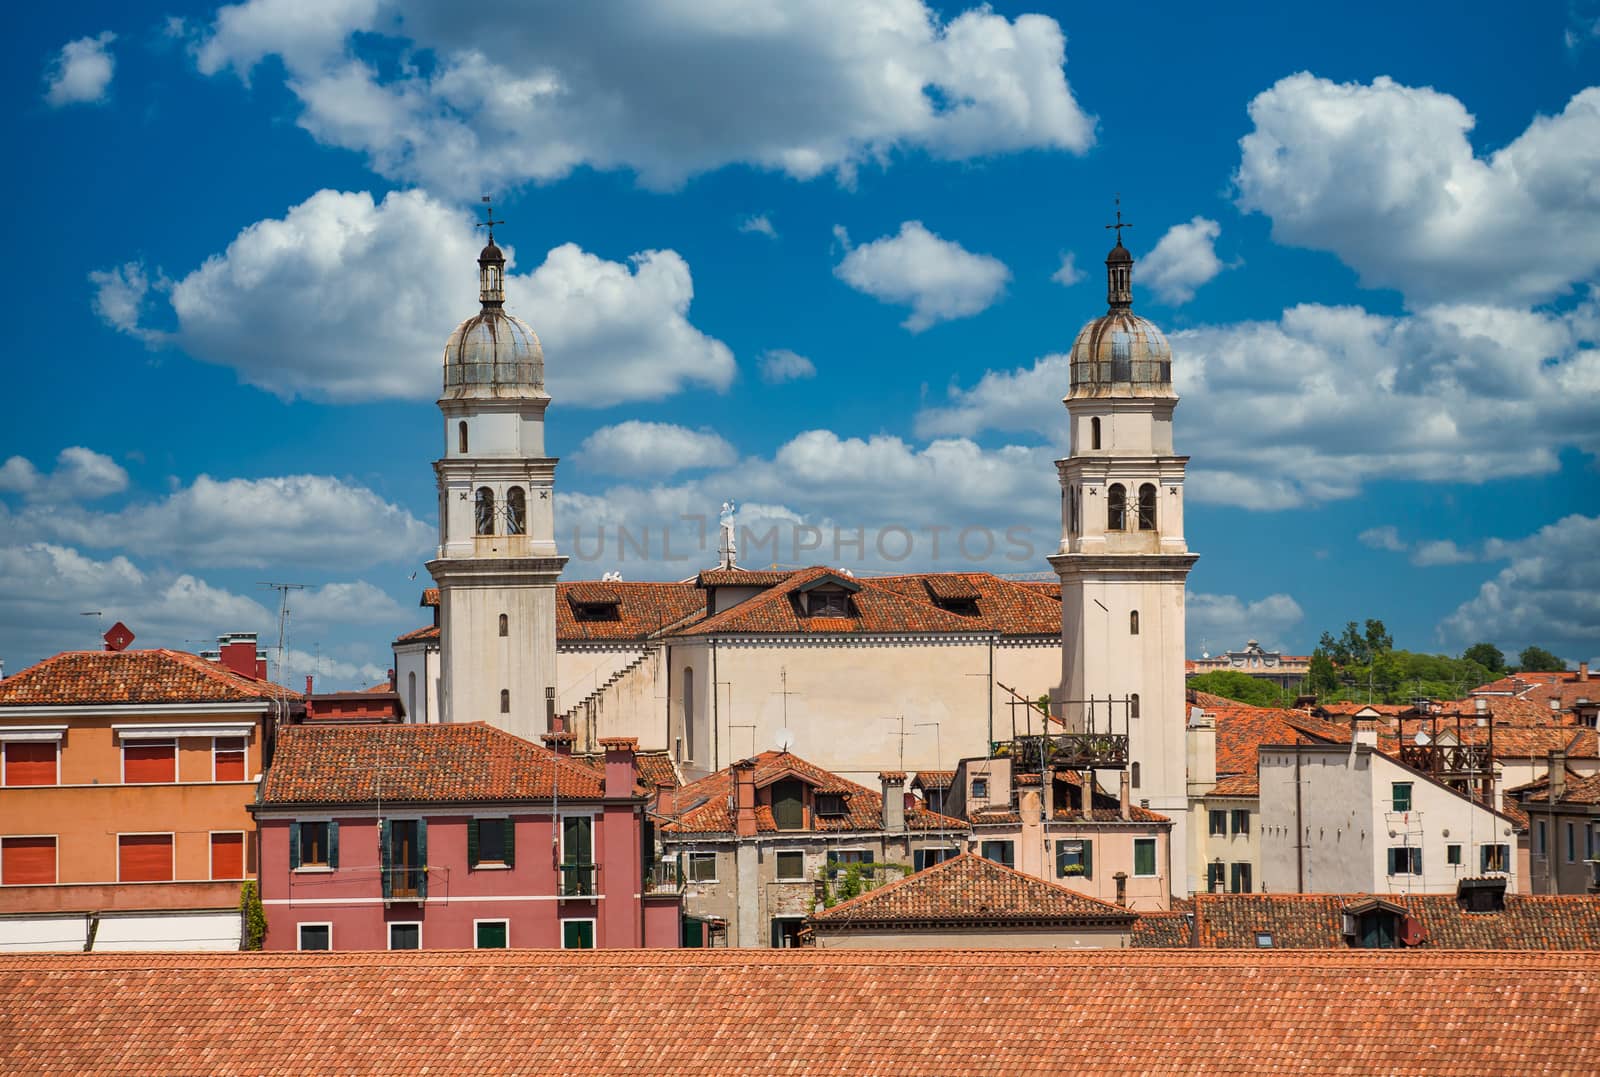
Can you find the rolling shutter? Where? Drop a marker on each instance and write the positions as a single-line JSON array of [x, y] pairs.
[[144, 858], [150, 762], [472, 843], [30, 763], [27, 861], [227, 856]]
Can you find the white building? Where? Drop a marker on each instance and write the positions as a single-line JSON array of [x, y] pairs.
[[1123, 560], [497, 562], [1345, 818]]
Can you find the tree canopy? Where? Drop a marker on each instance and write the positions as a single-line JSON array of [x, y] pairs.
[[1241, 687], [1539, 660], [1486, 655]]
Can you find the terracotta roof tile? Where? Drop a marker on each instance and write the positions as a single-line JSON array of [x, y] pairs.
[[968, 889], [741, 577], [934, 779], [1163, 930], [1241, 731], [418, 763], [154, 676], [642, 609], [620, 1013], [430, 597], [427, 632], [1580, 790]]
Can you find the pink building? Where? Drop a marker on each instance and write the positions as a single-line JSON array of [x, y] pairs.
[[455, 837]]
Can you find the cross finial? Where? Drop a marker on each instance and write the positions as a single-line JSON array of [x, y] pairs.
[[1119, 226], [488, 218]]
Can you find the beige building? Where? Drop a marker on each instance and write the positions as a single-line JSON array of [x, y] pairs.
[[1287, 671], [1563, 809]]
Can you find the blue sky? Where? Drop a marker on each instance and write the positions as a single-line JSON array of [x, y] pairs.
[[814, 258]]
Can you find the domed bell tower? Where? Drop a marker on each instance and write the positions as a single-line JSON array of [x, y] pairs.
[[497, 563], [1122, 560]]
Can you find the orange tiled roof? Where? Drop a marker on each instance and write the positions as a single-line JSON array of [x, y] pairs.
[[970, 890], [1241, 731], [1579, 790], [1163, 930], [934, 779], [1004, 606], [742, 577], [644, 608], [74, 678], [418, 763], [1315, 921], [616, 1013], [430, 597], [705, 806]]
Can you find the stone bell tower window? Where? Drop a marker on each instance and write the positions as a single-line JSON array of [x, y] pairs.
[[1094, 433], [1147, 507], [516, 511], [505, 625], [484, 511], [505, 701], [1116, 508], [1133, 623], [461, 436]]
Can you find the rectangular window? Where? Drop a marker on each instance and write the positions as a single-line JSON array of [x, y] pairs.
[[316, 936], [30, 762], [785, 932], [789, 804], [1241, 820], [1405, 860], [148, 761], [1572, 844], [405, 936], [27, 861], [403, 853], [144, 858], [1452, 854], [702, 867], [227, 855], [577, 855], [829, 804], [1494, 858], [927, 858], [1219, 823], [980, 789], [1239, 878], [491, 934], [1214, 876], [791, 865], [1264, 939], [491, 842], [227, 759], [1400, 796], [1144, 856], [1074, 859], [839, 857], [312, 845], [1001, 852], [577, 934]]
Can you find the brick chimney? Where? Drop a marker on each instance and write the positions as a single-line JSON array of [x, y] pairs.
[[1583, 671], [560, 743], [744, 798], [1127, 795], [237, 651], [894, 799], [666, 799], [1558, 774], [308, 684], [619, 764]]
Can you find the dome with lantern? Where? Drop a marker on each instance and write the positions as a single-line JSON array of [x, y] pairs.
[[492, 353], [1120, 353]]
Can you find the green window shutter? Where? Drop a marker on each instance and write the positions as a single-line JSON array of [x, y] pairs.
[[511, 842], [472, 843], [422, 859], [294, 846], [1061, 858], [1088, 859], [385, 861], [333, 845]]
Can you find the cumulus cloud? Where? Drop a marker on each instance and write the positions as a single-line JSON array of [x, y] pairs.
[[939, 279], [1069, 273], [1183, 260], [1310, 407], [1220, 622], [357, 602], [80, 74], [1383, 176], [1548, 594], [647, 449], [1440, 552], [760, 224], [349, 299], [80, 474], [780, 365], [1386, 537], [666, 90]]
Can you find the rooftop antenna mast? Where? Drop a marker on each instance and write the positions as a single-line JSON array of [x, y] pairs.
[[99, 619], [283, 590]]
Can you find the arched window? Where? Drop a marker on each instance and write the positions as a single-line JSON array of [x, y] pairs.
[[1133, 623], [1094, 433], [411, 695], [505, 701], [505, 625], [688, 711], [1133, 702], [1147, 507], [516, 511], [1116, 508], [485, 511], [1135, 779], [461, 436], [1072, 509]]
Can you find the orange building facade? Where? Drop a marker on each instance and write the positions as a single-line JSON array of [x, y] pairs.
[[125, 782]]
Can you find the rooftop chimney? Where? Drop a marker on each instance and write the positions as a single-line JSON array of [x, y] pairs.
[[1583, 671], [308, 684], [1127, 796], [894, 799], [744, 798], [1366, 732], [1558, 774], [551, 722], [237, 651], [619, 765], [666, 799]]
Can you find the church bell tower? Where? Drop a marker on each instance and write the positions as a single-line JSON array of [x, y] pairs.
[[497, 563], [1122, 560]]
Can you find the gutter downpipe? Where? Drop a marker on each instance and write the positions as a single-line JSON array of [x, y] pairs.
[[1299, 828]]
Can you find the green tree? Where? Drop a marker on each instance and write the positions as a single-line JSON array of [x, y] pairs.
[[1323, 678], [1486, 655], [1377, 638], [1539, 660], [1242, 687]]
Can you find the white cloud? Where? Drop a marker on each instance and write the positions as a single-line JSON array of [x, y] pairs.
[[121, 294], [1221, 622], [1069, 273], [346, 299], [1440, 552], [1384, 177], [328, 673], [80, 474], [80, 74], [312, 520], [937, 278], [358, 602], [1312, 406], [1386, 537], [1548, 594], [666, 90], [780, 365], [648, 449], [760, 224], [1183, 260]]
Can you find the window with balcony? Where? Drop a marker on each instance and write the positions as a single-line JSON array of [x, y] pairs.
[[577, 857], [313, 845], [491, 842], [144, 858], [316, 936], [227, 759], [28, 861], [790, 865], [149, 762], [1074, 859], [1400, 796], [403, 848], [491, 934], [227, 854], [30, 762], [1144, 857]]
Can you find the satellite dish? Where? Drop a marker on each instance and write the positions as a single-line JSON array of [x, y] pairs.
[[785, 740]]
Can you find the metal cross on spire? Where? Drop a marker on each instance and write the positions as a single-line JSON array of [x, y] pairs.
[[1119, 226], [488, 218]]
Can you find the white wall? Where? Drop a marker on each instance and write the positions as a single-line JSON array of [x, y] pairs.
[[169, 931], [40, 933]]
